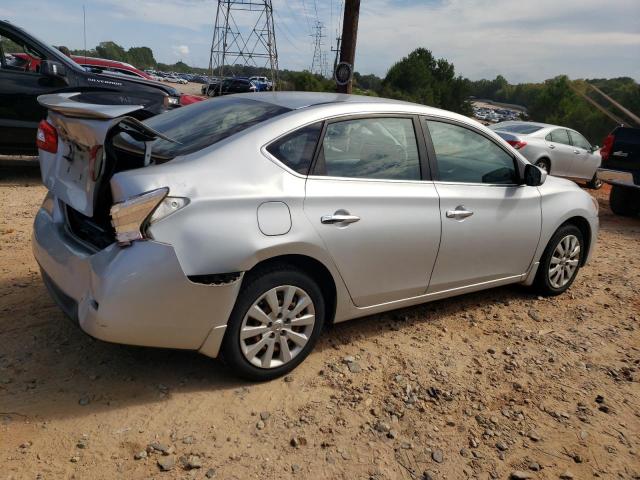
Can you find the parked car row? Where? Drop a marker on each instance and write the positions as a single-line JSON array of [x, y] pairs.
[[495, 114], [175, 77], [229, 85]]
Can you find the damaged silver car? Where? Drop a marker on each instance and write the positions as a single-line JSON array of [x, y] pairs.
[[243, 225]]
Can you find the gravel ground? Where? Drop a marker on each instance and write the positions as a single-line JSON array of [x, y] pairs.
[[497, 384]]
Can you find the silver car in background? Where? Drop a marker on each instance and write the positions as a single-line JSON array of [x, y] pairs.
[[558, 150], [243, 224]]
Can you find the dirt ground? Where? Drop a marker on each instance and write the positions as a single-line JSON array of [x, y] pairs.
[[489, 385]]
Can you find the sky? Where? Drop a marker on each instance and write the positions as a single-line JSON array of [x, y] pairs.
[[524, 40]]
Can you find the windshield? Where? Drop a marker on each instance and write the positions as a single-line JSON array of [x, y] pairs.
[[202, 124], [524, 128]]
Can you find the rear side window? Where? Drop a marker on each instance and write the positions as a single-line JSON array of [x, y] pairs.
[[464, 156], [296, 149], [559, 135], [204, 123], [373, 148]]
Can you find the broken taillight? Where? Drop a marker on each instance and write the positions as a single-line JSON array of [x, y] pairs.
[[47, 137], [129, 217]]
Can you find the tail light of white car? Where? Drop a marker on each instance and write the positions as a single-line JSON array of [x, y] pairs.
[[47, 137], [517, 144], [131, 217]]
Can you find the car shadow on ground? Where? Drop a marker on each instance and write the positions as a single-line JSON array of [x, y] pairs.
[[49, 368]]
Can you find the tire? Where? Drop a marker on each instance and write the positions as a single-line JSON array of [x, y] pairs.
[[595, 183], [544, 164], [548, 283], [624, 201], [241, 354]]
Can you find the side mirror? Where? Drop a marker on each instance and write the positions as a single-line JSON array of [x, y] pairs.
[[49, 68], [534, 176]]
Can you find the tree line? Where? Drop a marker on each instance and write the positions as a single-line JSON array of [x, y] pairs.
[[422, 78]]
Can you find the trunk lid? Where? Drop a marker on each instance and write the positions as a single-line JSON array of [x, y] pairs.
[[74, 171]]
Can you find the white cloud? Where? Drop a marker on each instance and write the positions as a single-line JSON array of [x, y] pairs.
[[181, 50]]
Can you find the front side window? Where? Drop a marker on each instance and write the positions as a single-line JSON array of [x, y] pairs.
[[17, 56], [373, 148], [296, 149], [559, 135], [579, 141], [465, 156]]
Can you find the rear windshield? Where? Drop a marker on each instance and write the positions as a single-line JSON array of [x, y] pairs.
[[524, 128], [627, 135], [204, 123]]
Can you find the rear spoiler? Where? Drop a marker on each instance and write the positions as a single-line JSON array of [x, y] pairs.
[[64, 104]]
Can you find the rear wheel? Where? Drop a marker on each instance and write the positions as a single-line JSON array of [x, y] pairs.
[[624, 201], [544, 164], [560, 261], [275, 323]]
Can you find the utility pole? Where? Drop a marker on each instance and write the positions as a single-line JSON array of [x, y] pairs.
[[349, 37]]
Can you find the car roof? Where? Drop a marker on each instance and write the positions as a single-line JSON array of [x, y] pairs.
[[297, 100]]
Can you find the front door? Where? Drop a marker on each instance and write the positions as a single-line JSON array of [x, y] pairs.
[[366, 199], [490, 223], [586, 161]]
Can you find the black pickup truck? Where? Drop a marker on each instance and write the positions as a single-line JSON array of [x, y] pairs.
[[620, 168], [30, 67]]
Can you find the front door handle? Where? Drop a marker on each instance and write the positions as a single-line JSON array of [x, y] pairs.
[[576, 151], [343, 218], [459, 213]]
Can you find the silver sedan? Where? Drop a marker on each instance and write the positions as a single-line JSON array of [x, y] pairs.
[[243, 225], [558, 150]]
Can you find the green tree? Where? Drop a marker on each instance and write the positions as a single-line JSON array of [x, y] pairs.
[[111, 51], [141, 57], [421, 78]]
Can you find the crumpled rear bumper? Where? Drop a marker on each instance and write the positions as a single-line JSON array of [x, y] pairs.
[[135, 295]]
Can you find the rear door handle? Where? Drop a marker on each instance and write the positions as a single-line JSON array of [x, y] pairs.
[[339, 218], [551, 146], [459, 213]]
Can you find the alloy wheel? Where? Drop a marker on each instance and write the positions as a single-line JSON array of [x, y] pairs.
[[564, 261], [277, 326]]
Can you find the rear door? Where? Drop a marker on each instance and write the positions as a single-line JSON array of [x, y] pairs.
[[560, 152], [367, 199], [490, 222], [20, 85], [586, 161]]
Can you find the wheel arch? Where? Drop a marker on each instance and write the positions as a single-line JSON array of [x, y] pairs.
[[313, 267], [585, 228], [544, 157]]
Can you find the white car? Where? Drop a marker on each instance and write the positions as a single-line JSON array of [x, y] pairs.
[[174, 79], [557, 150]]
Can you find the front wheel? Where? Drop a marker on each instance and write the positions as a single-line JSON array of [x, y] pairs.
[[560, 261], [275, 323]]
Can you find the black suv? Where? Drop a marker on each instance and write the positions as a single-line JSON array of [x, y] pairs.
[[621, 169], [30, 67]]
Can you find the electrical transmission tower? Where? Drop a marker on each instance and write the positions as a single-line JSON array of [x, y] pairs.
[[251, 45], [317, 62]]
